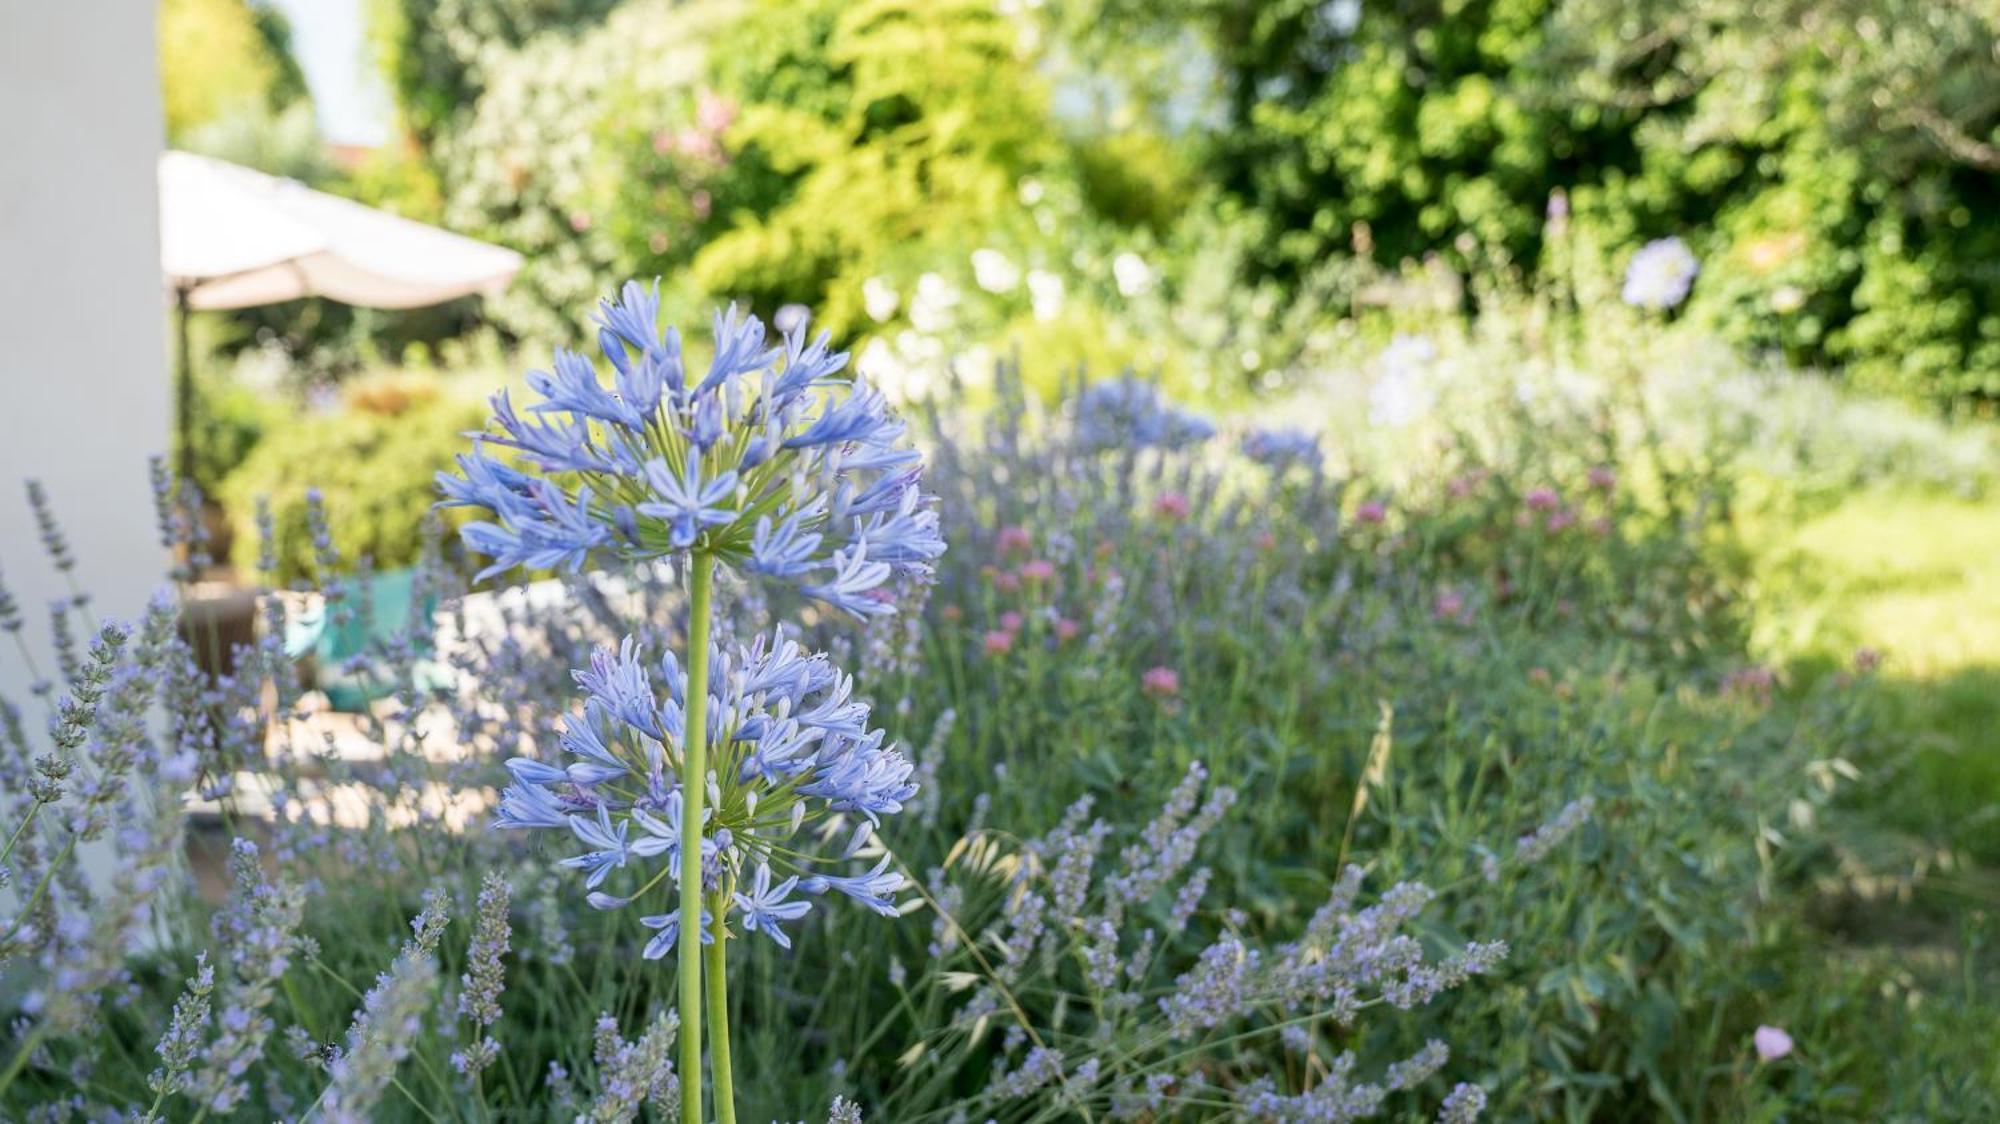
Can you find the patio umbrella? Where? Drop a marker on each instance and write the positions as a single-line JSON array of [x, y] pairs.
[[231, 237]]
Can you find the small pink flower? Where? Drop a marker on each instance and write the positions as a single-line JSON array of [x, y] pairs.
[[1006, 581], [713, 112], [1015, 540], [1266, 540], [1067, 629], [702, 203], [1160, 682], [1603, 478], [1448, 604], [1543, 499], [999, 643], [579, 221], [1772, 1043], [1561, 520], [1754, 682], [1371, 512], [1038, 570], [1010, 621], [1173, 505], [693, 142]]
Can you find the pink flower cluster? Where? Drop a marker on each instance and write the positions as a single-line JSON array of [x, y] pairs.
[[1160, 682], [1036, 575], [701, 140]]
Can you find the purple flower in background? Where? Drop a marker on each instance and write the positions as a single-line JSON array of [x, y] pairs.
[[1128, 412], [1282, 447], [1772, 1043], [1660, 275], [773, 462]]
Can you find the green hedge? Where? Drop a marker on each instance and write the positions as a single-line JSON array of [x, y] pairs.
[[374, 468]]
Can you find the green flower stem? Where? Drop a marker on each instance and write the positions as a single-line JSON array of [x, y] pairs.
[[718, 1012], [694, 790], [21, 830]]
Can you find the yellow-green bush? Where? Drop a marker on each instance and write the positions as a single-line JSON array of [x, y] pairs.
[[373, 462]]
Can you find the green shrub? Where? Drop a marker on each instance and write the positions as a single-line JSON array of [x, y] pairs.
[[374, 468], [889, 127], [572, 154], [1829, 162]]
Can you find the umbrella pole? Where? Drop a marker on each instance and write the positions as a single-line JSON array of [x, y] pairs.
[[184, 384]]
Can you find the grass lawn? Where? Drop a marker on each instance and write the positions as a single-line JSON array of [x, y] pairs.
[[1915, 576]]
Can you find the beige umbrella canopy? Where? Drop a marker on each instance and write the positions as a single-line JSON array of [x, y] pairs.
[[231, 237]]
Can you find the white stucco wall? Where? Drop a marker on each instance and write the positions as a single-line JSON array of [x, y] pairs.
[[83, 366]]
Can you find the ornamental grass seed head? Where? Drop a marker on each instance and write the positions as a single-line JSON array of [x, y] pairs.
[[772, 461]]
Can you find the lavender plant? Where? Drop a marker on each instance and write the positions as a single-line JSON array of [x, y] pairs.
[[1072, 960], [771, 463], [1578, 766]]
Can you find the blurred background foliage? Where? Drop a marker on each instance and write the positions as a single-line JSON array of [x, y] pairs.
[[1205, 190]]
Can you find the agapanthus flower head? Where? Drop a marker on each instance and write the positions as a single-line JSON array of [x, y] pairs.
[[772, 461], [1281, 447], [797, 783], [1660, 275], [1129, 412]]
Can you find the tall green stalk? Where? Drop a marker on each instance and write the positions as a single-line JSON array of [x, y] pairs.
[[694, 792], [718, 1012]]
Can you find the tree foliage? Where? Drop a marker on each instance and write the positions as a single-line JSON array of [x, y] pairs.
[[1828, 159], [883, 126], [224, 58]]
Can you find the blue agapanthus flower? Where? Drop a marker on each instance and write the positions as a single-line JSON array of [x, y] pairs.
[[1660, 275], [772, 461], [1281, 447], [1132, 413], [797, 784]]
